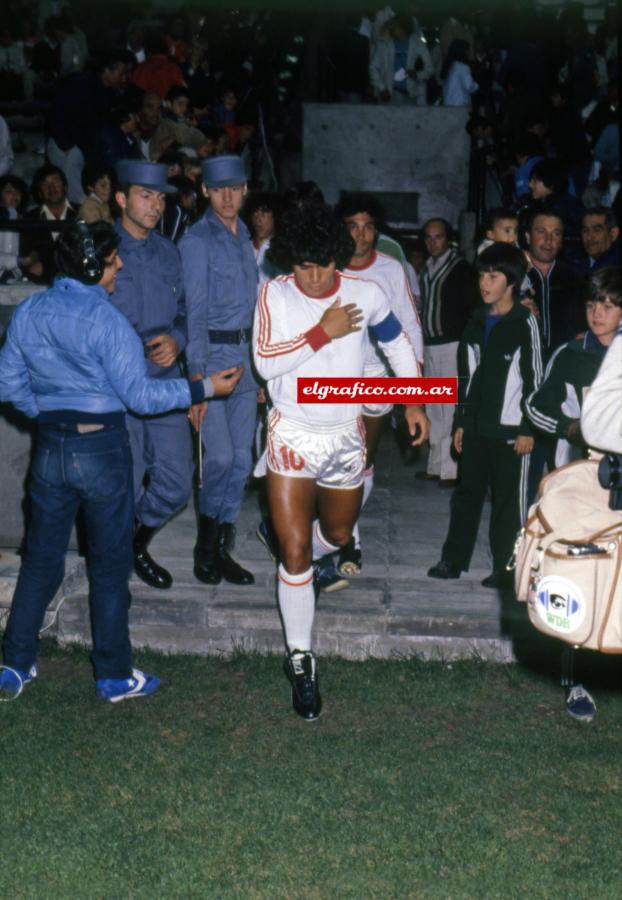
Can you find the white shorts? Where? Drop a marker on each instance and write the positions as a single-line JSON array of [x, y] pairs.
[[376, 410], [333, 459], [376, 369]]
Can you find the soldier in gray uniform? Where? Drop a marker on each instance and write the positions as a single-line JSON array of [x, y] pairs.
[[149, 292], [220, 280]]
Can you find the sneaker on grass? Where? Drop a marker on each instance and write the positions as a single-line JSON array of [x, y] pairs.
[[12, 681], [580, 704], [301, 670], [139, 684]]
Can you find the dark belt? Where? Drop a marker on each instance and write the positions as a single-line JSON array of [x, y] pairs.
[[241, 336]]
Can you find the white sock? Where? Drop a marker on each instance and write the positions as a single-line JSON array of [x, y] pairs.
[[368, 484], [320, 545], [297, 605]]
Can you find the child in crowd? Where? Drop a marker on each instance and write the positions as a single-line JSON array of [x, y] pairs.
[[500, 225], [97, 185], [177, 106], [13, 200], [555, 408], [499, 365]]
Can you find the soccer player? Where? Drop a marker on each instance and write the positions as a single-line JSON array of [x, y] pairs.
[[362, 214], [309, 323]]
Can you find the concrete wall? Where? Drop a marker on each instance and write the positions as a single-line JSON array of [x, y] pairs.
[[418, 150]]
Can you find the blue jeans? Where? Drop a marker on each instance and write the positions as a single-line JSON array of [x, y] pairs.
[[72, 471]]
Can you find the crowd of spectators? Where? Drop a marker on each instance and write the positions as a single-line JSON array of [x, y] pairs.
[[542, 90]]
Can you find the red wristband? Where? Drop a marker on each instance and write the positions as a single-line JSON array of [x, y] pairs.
[[317, 338]]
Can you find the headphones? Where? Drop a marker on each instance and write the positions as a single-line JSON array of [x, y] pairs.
[[92, 268]]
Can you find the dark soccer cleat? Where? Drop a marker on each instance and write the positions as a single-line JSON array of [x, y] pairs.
[[300, 668]]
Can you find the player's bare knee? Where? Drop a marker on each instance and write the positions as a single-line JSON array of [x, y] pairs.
[[338, 536], [296, 558]]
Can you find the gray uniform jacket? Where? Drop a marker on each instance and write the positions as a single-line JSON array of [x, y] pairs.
[[220, 280], [150, 292]]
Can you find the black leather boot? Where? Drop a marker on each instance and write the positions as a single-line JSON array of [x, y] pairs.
[[231, 570], [206, 556], [145, 566]]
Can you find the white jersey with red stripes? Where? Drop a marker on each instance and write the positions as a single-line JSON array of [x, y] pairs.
[[282, 352], [387, 272]]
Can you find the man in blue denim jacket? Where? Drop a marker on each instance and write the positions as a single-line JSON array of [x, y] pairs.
[[220, 280], [150, 293], [73, 362]]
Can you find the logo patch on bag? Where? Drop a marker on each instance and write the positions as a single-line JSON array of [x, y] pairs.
[[560, 604]]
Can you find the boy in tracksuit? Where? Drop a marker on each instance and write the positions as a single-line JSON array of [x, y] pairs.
[[555, 408], [499, 366]]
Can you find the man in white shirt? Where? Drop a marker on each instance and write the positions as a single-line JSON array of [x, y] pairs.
[[362, 215], [49, 187], [314, 323]]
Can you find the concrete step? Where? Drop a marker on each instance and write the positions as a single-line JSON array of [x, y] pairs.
[[391, 608]]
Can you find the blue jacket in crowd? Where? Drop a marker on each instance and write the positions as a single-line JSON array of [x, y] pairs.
[[69, 348]]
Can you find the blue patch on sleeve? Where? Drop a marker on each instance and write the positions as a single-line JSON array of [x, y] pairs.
[[387, 330]]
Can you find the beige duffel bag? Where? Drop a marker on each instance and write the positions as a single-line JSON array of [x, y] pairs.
[[568, 560]]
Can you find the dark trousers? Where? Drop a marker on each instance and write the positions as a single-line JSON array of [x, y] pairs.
[[71, 471], [484, 462], [162, 449]]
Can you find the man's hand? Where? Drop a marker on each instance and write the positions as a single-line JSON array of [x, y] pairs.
[[530, 304], [418, 424], [164, 350], [226, 380], [523, 445], [457, 439], [338, 320], [196, 414]]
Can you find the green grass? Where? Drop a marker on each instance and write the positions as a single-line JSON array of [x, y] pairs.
[[419, 780]]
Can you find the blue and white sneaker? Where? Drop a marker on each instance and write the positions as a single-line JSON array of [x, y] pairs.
[[580, 704], [139, 684], [326, 577], [12, 681]]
